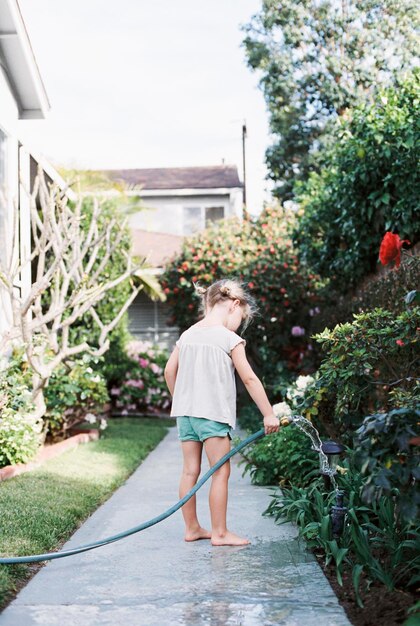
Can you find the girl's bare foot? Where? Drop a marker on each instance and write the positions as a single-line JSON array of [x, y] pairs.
[[228, 539], [197, 533]]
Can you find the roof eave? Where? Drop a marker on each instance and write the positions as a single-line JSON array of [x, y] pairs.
[[21, 68], [205, 191]]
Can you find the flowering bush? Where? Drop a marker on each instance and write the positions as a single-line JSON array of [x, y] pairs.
[[260, 254], [368, 368], [74, 392], [368, 184], [144, 387], [20, 432]]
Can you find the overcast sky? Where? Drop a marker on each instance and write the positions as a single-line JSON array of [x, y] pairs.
[[147, 83]]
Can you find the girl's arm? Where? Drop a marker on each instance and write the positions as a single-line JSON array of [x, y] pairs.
[[171, 369], [255, 388]]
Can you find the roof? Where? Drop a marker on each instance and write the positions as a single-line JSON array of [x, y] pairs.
[[211, 177], [19, 64], [159, 248]]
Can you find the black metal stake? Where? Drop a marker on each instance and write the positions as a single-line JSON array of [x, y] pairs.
[[338, 512]]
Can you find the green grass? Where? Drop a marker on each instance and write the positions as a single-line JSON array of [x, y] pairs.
[[40, 510]]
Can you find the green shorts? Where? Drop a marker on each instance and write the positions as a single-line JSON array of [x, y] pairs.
[[200, 428]]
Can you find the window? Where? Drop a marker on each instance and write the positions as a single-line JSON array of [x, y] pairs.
[[214, 213], [148, 321], [192, 219]]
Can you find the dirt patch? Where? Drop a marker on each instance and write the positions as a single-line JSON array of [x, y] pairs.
[[380, 605]]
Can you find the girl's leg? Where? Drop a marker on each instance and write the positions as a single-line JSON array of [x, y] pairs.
[[191, 451], [216, 447]]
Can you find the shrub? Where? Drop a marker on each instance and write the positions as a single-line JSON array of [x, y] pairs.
[[368, 185], [20, 432], [388, 454], [260, 254], [386, 289], [282, 458], [286, 456], [369, 367], [74, 392], [250, 418], [116, 363], [143, 387]]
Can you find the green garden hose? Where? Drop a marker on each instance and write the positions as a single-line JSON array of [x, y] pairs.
[[49, 556]]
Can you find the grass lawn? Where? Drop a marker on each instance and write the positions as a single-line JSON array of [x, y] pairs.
[[40, 510]]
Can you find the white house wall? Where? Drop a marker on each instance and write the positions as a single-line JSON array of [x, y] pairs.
[[10, 195], [9, 192], [164, 213]]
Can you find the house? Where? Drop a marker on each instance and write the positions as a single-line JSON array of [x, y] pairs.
[[176, 202], [22, 97]]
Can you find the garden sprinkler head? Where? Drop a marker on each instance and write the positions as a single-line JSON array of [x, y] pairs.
[[332, 450], [338, 512]]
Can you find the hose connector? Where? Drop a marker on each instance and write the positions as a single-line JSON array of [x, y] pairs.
[[284, 420]]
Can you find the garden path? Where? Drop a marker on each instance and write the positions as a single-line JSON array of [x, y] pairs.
[[154, 578]]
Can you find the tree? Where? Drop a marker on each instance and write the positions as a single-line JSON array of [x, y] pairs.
[[317, 60], [369, 184], [70, 260]]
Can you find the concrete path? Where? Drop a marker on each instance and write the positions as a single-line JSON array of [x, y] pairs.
[[154, 578]]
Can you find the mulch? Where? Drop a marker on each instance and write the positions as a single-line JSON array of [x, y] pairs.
[[381, 606]]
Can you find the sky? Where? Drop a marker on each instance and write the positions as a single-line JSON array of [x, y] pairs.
[[147, 83]]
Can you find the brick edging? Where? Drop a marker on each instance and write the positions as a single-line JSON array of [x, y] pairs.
[[48, 452]]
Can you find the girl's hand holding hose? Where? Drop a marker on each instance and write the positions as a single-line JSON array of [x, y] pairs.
[[271, 424]]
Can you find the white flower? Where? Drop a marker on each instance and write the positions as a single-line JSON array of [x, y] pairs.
[[282, 408], [303, 381], [90, 418], [103, 424]]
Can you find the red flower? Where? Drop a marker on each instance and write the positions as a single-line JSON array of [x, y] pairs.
[[390, 249], [251, 285], [399, 342]]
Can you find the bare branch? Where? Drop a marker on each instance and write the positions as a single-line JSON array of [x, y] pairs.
[[70, 259]]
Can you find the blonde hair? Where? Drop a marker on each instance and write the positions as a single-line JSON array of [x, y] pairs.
[[227, 289]]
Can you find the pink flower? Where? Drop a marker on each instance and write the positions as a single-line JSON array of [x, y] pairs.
[[399, 342], [139, 384], [115, 391], [155, 368], [143, 362], [297, 331]]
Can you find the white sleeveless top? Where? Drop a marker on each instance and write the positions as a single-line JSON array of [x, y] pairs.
[[205, 382]]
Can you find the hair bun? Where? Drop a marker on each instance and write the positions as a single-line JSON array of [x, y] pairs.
[[225, 290], [199, 289]]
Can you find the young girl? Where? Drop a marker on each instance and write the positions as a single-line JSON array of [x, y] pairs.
[[200, 377]]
